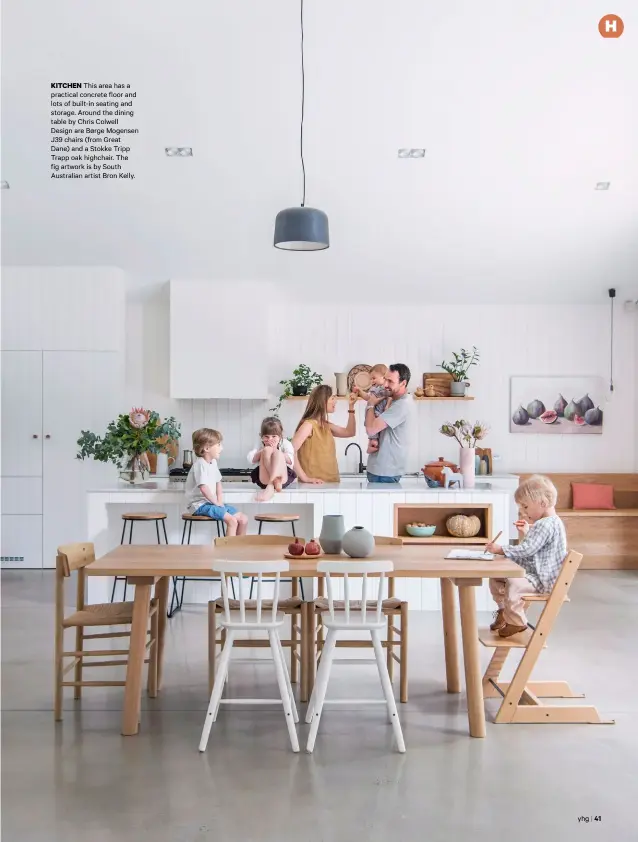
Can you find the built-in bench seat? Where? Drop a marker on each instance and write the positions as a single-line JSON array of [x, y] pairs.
[[608, 538]]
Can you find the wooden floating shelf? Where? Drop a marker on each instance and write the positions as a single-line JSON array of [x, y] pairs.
[[346, 398]]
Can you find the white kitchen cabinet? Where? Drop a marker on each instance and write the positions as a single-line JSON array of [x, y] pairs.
[[21, 414], [63, 308], [21, 541], [210, 357], [52, 395], [81, 391]]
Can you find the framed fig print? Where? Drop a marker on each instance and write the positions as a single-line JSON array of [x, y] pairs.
[[557, 405]]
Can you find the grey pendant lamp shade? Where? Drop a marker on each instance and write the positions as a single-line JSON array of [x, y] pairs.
[[302, 228]]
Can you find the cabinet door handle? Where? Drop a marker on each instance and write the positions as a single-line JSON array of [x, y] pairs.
[[35, 435], [47, 436]]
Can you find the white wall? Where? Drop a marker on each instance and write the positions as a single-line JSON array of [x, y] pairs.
[[528, 339]]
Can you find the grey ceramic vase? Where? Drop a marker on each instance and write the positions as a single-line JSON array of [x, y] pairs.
[[332, 530], [358, 542]]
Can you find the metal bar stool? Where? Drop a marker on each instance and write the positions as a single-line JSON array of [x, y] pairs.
[[178, 600], [132, 518], [275, 517]]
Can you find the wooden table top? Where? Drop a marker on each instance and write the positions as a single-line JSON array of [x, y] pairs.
[[414, 561]]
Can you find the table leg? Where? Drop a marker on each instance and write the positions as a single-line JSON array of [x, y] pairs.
[[450, 637], [135, 667], [473, 683], [161, 592]]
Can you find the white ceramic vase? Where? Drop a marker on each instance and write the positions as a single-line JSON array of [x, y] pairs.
[[358, 542], [468, 468], [342, 383]]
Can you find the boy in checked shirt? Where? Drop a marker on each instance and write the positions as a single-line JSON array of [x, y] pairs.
[[540, 552]]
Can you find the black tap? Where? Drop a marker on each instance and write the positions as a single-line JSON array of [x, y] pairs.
[[362, 467]]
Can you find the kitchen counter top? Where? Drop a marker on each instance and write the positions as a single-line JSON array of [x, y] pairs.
[[347, 485]]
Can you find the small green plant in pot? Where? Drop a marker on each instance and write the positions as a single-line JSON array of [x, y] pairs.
[[459, 368], [127, 441], [302, 382]]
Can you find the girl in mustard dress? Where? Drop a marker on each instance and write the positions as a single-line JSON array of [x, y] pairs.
[[314, 439]]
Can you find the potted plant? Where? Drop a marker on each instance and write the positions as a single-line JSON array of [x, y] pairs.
[[466, 435], [303, 380], [458, 368], [127, 441]]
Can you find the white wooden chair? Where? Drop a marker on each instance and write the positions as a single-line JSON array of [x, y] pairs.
[[359, 616], [522, 698], [252, 619]]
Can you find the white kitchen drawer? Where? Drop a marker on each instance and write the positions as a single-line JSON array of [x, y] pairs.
[[21, 495], [21, 541]]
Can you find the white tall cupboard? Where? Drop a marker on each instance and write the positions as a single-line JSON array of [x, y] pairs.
[[54, 384]]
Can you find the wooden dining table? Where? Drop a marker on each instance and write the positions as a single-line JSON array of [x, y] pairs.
[[153, 566]]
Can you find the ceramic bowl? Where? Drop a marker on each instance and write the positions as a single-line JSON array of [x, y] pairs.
[[420, 531]]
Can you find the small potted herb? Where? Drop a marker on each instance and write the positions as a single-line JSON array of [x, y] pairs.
[[303, 380], [458, 368]]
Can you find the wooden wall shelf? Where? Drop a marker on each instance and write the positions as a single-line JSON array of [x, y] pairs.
[[436, 514]]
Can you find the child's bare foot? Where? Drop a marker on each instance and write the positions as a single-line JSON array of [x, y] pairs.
[[265, 494], [373, 446], [277, 484]]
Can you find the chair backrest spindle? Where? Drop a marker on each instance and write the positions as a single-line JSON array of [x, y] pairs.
[[364, 569], [245, 570]]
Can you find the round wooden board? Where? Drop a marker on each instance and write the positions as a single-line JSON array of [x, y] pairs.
[[303, 555], [357, 369]]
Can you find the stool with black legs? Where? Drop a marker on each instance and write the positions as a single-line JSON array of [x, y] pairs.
[[178, 600], [136, 517], [276, 517]]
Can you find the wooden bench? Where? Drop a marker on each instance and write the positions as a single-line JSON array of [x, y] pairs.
[[607, 537]]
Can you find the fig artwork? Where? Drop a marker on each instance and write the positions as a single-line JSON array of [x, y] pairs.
[[538, 407]]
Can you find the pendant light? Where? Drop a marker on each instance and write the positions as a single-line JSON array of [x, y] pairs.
[[302, 228]]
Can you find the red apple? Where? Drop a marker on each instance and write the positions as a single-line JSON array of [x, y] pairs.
[[296, 548], [313, 548]]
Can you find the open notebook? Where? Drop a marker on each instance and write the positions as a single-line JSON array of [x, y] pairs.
[[472, 555]]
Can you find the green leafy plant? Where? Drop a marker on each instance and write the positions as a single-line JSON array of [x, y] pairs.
[[461, 364], [128, 437], [465, 433], [303, 380]]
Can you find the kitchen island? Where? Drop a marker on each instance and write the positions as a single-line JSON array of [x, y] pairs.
[[361, 503]]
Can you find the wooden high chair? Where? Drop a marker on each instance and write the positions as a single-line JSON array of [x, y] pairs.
[[521, 697], [77, 557]]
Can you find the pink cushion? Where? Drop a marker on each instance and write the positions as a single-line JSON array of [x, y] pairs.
[[593, 496]]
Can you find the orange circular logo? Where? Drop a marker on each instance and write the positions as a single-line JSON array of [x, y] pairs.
[[611, 26]]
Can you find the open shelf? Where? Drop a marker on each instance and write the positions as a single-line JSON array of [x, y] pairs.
[[436, 514]]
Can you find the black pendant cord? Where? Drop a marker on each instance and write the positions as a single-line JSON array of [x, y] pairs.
[[303, 104], [612, 295]]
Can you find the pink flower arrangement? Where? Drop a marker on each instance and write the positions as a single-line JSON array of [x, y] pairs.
[[139, 418]]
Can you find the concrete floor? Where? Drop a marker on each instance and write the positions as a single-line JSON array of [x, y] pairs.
[[81, 780]]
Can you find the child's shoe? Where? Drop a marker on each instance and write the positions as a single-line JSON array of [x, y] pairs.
[[499, 620], [508, 630]]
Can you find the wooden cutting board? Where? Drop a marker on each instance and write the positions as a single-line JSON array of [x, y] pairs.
[[442, 382], [172, 449]]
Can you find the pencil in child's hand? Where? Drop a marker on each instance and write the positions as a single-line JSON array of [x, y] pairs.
[[494, 540]]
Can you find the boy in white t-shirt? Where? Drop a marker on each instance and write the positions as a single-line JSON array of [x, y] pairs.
[[204, 495]]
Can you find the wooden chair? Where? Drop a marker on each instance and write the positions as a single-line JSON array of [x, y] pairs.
[[521, 697], [77, 557], [293, 606], [257, 615], [396, 637], [349, 616]]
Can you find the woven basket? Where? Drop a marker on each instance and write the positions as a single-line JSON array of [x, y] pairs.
[[463, 526]]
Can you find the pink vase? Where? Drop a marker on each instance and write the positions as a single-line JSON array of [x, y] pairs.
[[468, 466]]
